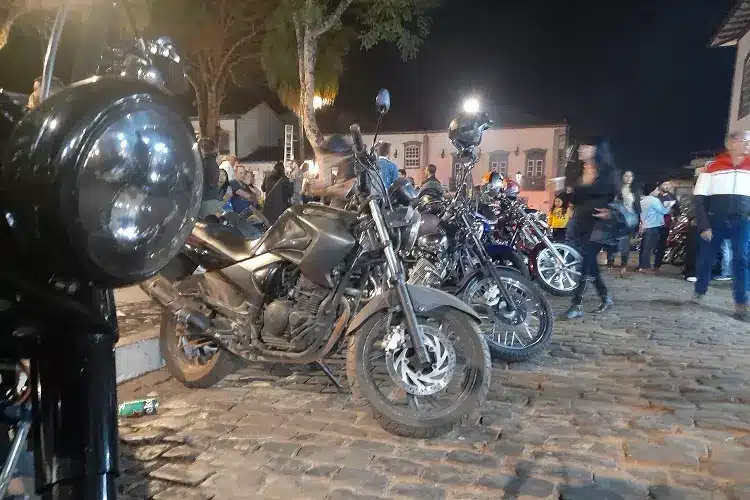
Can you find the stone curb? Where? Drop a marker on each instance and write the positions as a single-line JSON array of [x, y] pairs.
[[138, 354]]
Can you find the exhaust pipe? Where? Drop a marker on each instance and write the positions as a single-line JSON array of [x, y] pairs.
[[164, 293]]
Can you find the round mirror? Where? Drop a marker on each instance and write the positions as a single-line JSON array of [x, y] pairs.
[[383, 101]]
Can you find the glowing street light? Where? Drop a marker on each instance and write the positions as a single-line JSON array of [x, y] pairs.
[[471, 105], [318, 102]]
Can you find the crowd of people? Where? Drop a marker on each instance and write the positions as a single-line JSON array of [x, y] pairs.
[[606, 203]]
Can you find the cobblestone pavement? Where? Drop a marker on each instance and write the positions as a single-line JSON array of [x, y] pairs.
[[650, 401]]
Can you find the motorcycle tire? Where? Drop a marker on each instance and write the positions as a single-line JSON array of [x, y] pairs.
[[544, 285], [193, 375], [677, 256], [516, 263], [365, 391], [508, 355]]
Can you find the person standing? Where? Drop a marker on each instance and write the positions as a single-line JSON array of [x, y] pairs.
[[229, 164], [595, 190], [388, 169], [665, 194], [631, 202], [722, 211], [431, 185], [652, 224], [558, 220], [279, 191], [211, 202], [243, 195]]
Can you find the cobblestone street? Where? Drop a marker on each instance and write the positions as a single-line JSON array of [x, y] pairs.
[[650, 401]]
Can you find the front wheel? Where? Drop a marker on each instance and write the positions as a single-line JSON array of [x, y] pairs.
[[558, 278], [513, 334], [408, 401]]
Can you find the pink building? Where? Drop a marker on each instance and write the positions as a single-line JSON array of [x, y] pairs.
[[534, 151]]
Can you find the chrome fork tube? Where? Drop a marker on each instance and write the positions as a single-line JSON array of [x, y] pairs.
[[397, 278]]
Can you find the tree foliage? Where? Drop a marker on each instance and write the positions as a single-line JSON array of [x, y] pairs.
[[316, 35]]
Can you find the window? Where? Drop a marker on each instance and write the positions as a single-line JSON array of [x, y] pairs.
[[412, 156], [530, 168], [503, 168], [539, 171], [499, 161], [744, 108], [534, 177]]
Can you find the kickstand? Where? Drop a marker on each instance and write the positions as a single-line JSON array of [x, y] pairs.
[[327, 370]]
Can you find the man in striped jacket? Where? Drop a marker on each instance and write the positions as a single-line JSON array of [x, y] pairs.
[[722, 211]]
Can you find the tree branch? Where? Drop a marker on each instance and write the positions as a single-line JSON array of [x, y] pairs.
[[328, 23], [228, 56]]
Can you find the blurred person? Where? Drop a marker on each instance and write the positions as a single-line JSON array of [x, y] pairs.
[[35, 96], [243, 196], [595, 189], [722, 211], [691, 239], [224, 189], [212, 202], [279, 191], [229, 163], [431, 185], [402, 173], [558, 220], [631, 200], [726, 261], [653, 212], [388, 169]]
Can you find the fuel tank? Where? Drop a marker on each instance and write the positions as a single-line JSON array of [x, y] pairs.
[[314, 237]]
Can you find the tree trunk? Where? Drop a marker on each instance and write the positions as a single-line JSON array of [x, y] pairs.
[[308, 56], [212, 116]]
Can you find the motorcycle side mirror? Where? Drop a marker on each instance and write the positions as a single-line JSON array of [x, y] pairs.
[[383, 101]]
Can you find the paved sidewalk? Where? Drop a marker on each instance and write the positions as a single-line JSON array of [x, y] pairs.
[[650, 401]]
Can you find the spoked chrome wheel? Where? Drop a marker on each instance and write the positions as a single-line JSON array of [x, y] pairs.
[[513, 333], [559, 278], [412, 401]]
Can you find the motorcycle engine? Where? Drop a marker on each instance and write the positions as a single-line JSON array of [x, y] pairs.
[[287, 322]]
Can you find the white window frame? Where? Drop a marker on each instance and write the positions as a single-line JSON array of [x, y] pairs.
[[412, 160], [530, 165], [503, 168], [539, 169]]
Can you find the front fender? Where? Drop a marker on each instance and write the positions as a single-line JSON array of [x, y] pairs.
[[426, 302]]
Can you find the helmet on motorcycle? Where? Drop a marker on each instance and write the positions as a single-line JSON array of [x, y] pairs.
[[465, 131], [512, 189], [495, 185], [402, 191]]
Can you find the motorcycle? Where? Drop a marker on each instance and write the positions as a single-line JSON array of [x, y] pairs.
[[99, 187], [677, 241], [287, 298], [517, 319], [556, 267]]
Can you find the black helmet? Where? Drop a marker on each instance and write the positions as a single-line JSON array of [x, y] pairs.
[[465, 131], [402, 191]]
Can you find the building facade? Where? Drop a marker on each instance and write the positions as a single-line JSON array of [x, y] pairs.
[[537, 153], [735, 32]]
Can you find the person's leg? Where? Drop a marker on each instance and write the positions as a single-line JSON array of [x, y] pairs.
[[661, 246], [575, 310], [705, 262], [648, 243], [726, 260], [611, 253], [691, 253], [739, 234], [625, 251]]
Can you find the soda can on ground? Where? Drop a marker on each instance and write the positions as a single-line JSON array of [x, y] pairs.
[[138, 407]]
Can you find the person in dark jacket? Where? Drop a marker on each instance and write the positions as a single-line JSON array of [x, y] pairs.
[[279, 191], [431, 185], [722, 211], [211, 202], [596, 188], [630, 196]]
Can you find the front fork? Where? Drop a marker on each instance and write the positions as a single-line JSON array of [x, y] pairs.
[[396, 277]]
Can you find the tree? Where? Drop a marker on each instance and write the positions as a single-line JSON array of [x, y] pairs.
[[315, 34], [219, 39]]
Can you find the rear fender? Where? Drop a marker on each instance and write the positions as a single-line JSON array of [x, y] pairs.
[[426, 301]]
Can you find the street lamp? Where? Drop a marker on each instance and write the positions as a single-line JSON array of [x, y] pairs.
[[471, 105], [318, 102]]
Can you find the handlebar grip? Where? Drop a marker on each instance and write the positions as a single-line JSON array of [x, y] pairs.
[[359, 143]]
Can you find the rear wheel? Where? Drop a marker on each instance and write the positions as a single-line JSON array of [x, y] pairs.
[[196, 362], [511, 335], [411, 402]]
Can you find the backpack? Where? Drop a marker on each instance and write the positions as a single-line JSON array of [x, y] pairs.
[[624, 219]]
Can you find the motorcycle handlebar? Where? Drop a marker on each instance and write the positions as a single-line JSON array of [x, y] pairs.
[[359, 143]]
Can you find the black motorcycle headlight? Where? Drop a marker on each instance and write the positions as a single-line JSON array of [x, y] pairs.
[[102, 182]]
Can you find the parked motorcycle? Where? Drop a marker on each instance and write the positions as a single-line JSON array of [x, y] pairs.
[[517, 319], [99, 187], [414, 357], [677, 241], [556, 267]]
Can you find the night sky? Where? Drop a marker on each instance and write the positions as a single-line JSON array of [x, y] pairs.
[[638, 72]]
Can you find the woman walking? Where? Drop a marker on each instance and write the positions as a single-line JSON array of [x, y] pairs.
[[595, 190]]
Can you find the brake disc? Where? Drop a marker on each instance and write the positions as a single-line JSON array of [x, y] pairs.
[[432, 379]]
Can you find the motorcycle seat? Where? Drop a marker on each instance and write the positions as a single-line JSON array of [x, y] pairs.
[[226, 239]]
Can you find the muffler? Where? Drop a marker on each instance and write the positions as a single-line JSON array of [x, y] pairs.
[[164, 293]]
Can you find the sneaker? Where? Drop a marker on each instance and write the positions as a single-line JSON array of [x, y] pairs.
[[573, 312], [697, 298], [691, 279], [741, 313], [723, 278], [607, 304]]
